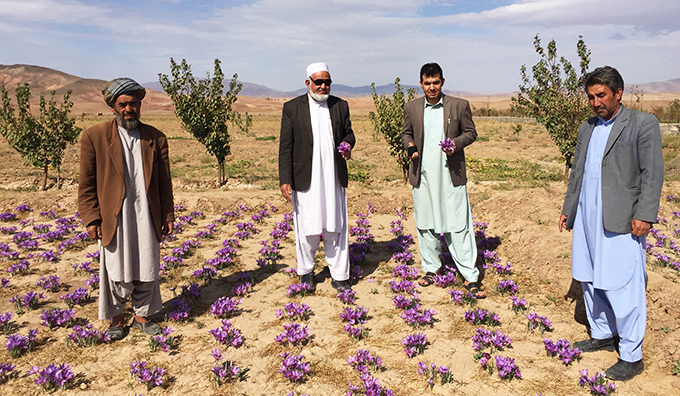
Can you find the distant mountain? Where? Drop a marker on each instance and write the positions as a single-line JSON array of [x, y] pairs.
[[656, 87]]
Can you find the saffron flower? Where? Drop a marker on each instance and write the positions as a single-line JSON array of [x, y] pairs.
[[415, 344], [226, 371], [79, 296], [562, 349], [293, 334], [344, 148], [364, 362], [347, 296], [17, 344], [163, 341], [482, 316], [53, 376], [298, 289], [150, 378], [507, 369], [447, 144], [432, 371], [57, 317], [87, 336], [225, 307], [597, 384], [369, 386], [518, 305], [293, 367], [536, 321], [294, 311], [507, 286], [228, 334]]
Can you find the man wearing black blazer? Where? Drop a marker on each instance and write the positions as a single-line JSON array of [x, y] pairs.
[[313, 174]]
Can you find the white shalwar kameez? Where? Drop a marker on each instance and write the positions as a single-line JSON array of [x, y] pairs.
[[130, 263], [611, 308], [440, 207], [322, 209]]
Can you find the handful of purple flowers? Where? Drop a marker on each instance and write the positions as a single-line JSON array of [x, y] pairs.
[[447, 144], [344, 148]]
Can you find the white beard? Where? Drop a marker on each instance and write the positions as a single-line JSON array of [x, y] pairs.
[[318, 97], [127, 124]]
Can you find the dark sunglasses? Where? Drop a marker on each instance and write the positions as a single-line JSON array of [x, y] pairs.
[[320, 81]]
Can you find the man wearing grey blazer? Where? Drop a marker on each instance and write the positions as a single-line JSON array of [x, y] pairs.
[[611, 202], [436, 130]]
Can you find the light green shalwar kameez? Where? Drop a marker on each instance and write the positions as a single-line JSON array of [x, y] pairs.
[[439, 206]]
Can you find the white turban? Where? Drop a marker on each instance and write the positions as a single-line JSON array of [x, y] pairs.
[[317, 67]]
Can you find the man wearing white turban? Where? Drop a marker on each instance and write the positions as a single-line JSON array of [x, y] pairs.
[[313, 174]]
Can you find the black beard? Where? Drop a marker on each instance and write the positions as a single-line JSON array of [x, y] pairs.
[[127, 124]]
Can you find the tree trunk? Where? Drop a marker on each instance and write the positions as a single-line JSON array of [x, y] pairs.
[[58, 177], [220, 170], [44, 181], [567, 169], [404, 173]]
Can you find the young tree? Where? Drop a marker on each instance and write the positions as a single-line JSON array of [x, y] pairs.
[[388, 120], [203, 110], [554, 96], [673, 110], [40, 140]]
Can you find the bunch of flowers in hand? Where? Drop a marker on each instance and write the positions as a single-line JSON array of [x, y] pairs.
[[562, 349], [415, 344], [293, 334], [507, 286], [535, 321], [150, 378], [344, 148], [225, 307], [597, 384], [293, 367], [53, 376], [432, 371], [482, 317], [364, 362], [447, 144], [17, 344], [164, 341], [370, 387], [87, 336], [227, 370], [57, 317], [294, 311], [228, 334]]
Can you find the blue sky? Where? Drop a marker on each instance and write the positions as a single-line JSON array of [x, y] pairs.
[[480, 44]]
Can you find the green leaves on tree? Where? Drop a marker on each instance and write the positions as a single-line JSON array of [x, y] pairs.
[[388, 120], [554, 96], [203, 109], [42, 139]]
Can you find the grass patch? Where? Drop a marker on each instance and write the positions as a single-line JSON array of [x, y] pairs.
[[494, 169], [358, 171], [179, 138], [482, 138], [270, 137]]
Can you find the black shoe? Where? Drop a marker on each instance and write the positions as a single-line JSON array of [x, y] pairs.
[[593, 344], [116, 333], [309, 279], [149, 328], [340, 285], [623, 371]]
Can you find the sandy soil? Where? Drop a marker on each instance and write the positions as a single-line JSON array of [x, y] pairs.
[[523, 217]]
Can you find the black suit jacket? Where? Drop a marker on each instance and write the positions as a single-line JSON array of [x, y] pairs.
[[296, 142]]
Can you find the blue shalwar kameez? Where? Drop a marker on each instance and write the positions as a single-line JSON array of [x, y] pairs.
[[614, 304]]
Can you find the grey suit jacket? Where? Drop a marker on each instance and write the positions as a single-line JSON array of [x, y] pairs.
[[632, 171], [458, 126], [296, 142]]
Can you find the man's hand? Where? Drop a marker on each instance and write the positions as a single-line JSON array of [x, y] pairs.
[[95, 232], [450, 151], [286, 190], [415, 155], [640, 228], [168, 228], [562, 223], [347, 155]]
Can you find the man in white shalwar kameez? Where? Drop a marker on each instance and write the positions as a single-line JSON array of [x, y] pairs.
[[313, 174], [438, 177], [125, 199], [611, 202]]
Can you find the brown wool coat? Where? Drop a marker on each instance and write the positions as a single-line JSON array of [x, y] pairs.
[[102, 177]]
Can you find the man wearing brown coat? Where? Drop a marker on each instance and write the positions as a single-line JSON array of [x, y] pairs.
[[125, 200], [436, 130]]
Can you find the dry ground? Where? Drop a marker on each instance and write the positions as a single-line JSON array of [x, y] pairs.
[[514, 187]]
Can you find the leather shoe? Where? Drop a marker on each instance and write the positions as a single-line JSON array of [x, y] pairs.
[[149, 328], [340, 285], [116, 333], [623, 371], [309, 279], [593, 344]]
